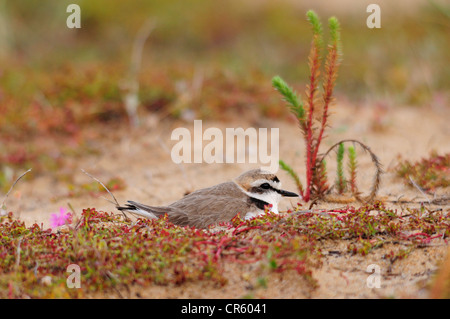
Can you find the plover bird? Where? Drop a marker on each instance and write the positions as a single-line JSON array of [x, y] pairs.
[[249, 194]]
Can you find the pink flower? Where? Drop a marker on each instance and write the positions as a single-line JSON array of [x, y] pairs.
[[61, 219]]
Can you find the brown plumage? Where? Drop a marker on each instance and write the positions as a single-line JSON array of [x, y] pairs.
[[216, 204]]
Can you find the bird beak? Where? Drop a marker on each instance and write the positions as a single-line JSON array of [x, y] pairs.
[[286, 193]]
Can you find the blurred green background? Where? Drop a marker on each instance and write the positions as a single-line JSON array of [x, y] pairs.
[[204, 59], [234, 47]]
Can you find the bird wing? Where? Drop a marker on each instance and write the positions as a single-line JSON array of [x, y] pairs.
[[200, 208], [212, 205], [209, 212]]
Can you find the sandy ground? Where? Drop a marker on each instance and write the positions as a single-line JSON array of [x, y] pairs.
[[142, 158]]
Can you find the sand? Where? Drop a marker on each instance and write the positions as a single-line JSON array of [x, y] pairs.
[[142, 158]]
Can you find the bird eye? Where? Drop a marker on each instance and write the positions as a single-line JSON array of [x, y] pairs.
[[265, 186]]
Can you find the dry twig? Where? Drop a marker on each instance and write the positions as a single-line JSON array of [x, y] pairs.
[[419, 189], [376, 162], [2, 206], [106, 188], [131, 84]]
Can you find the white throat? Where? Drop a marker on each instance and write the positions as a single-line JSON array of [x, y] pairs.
[[272, 198]]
